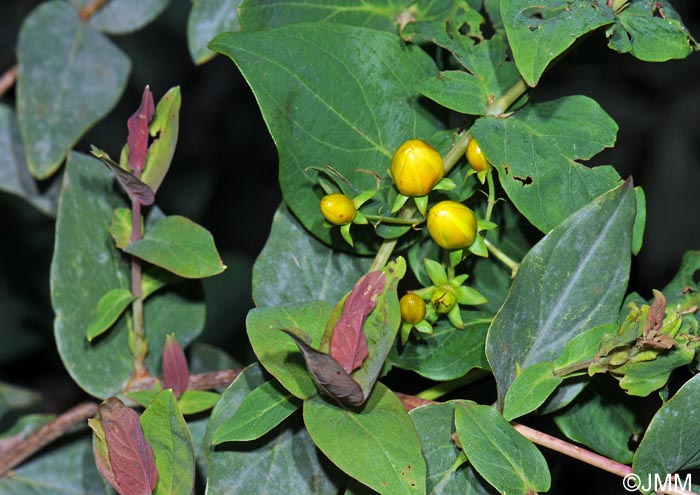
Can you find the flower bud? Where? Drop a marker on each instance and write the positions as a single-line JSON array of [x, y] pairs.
[[476, 157], [412, 308], [452, 225], [416, 168], [338, 209], [443, 299]]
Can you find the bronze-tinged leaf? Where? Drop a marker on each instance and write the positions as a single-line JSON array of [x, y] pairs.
[[328, 374], [348, 341], [176, 372], [138, 131], [99, 448], [136, 189], [130, 455]]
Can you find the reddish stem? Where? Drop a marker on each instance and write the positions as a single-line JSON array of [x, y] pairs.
[[8, 79]]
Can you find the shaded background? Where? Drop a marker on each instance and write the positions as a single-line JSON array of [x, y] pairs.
[[224, 175]]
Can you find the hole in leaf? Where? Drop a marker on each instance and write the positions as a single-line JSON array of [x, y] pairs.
[[526, 181]]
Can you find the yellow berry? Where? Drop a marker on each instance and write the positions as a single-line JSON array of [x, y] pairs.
[[476, 157], [412, 308], [443, 299], [452, 225], [416, 168], [338, 209]]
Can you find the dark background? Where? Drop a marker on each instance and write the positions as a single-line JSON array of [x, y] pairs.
[[224, 175]]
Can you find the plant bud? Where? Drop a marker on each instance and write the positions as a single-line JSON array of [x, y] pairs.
[[452, 225], [338, 209], [416, 168], [443, 299], [476, 157], [412, 308]]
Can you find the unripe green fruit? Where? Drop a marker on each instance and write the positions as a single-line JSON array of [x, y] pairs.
[[416, 167], [476, 157], [443, 299], [452, 225], [338, 209], [412, 308]]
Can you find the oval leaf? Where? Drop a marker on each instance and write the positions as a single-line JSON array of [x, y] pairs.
[[166, 431], [181, 246], [109, 309], [506, 459], [573, 279], [207, 19], [530, 389], [196, 401], [124, 16], [88, 74], [377, 445]]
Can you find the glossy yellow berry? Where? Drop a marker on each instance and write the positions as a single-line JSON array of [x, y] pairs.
[[416, 168], [338, 209], [452, 225], [476, 157], [443, 299], [412, 308]]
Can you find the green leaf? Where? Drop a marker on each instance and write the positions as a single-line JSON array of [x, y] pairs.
[[686, 276], [643, 378], [602, 422], [109, 309], [294, 267], [573, 279], [530, 389], [283, 459], [67, 470], [267, 14], [166, 431], [145, 397], [584, 346], [435, 426], [640, 220], [180, 246], [86, 75], [449, 353], [124, 16], [262, 410], [14, 175], [207, 19], [535, 151], [538, 32], [506, 459], [13, 398], [86, 266], [164, 130], [489, 77], [655, 454], [376, 445], [353, 103], [277, 352], [120, 229], [651, 30], [196, 401]]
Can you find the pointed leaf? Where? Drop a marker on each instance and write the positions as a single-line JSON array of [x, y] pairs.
[[538, 32], [196, 401], [362, 124], [206, 20], [164, 130], [130, 455], [536, 150], [295, 267], [573, 279], [132, 186], [385, 449], [88, 74], [262, 410], [240, 467], [176, 372], [530, 389], [166, 431], [277, 352], [328, 374], [506, 459], [348, 341], [138, 131], [109, 309], [584, 346]]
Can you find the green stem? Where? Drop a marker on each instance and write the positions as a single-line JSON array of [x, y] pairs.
[[502, 257], [572, 368], [457, 151], [393, 220], [383, 255], [444, 388], [499, 106], [492, 194]]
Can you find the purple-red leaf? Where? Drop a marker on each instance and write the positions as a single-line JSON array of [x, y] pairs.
[[134, 187], [130, 455], [138, 131], [99, 447], [327, 372], [176, 373], [348, 342]]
